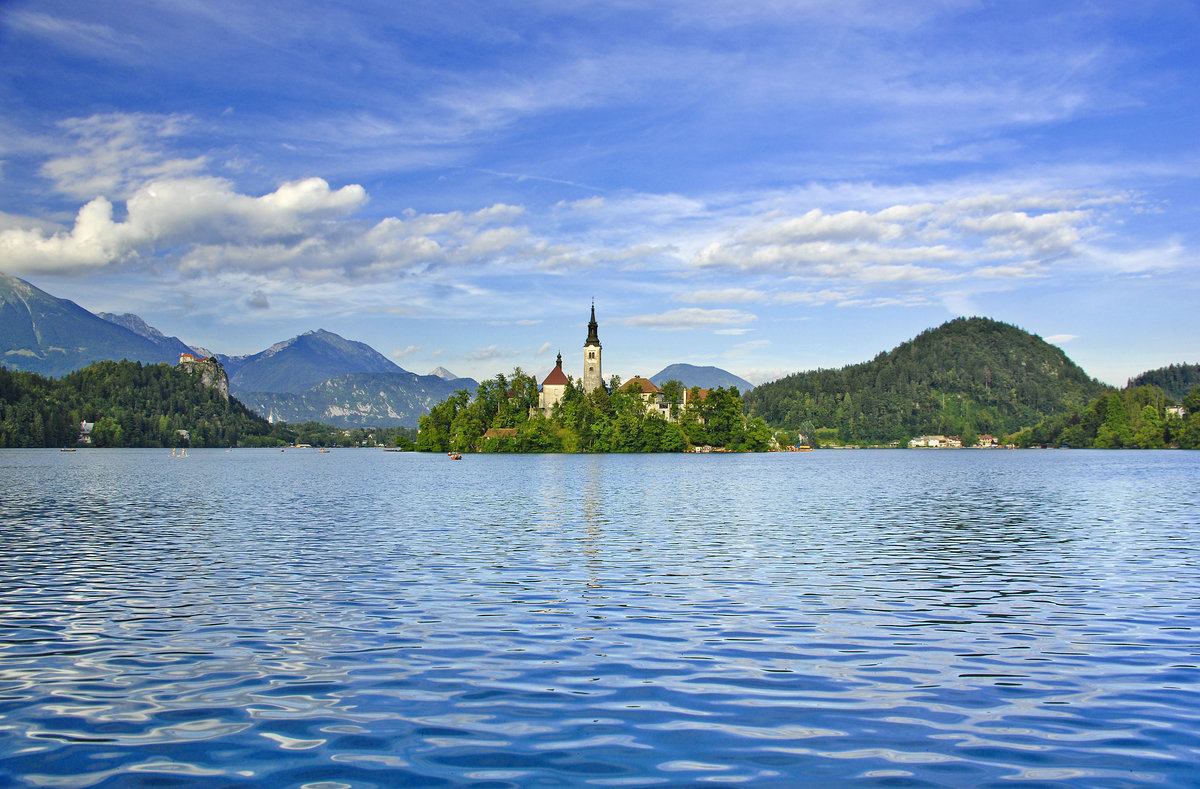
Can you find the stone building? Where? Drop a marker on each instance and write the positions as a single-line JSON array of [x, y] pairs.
[[554, 387]]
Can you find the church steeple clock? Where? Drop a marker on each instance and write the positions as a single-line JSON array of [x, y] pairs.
[[591, 356]]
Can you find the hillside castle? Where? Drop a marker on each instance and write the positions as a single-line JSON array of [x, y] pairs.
[[554, 387], [212, 374]]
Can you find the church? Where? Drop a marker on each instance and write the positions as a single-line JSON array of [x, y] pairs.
[[554, 387]]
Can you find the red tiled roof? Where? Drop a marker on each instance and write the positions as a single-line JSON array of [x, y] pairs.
[[643, 385], [556, 377]]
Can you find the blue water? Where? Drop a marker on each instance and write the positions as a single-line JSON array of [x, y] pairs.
[[361, 618]]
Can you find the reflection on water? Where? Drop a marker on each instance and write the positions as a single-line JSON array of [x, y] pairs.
[[382, 619]]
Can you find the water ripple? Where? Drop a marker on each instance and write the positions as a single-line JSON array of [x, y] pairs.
[[873, 619]]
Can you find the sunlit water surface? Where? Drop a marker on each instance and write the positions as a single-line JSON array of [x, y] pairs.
[[362, 618]]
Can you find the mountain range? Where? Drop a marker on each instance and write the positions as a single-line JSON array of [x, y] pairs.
[[317, 376], [966, 375], [43, 334]]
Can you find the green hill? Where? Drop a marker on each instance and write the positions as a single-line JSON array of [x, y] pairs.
[[1175, 380], [970, 375], [128, 404], [1137, 417]]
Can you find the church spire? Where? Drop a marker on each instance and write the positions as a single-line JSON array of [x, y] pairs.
[[592, 373], [593, 337]]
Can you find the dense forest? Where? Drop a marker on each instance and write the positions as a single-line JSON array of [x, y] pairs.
[[597, 421], [158, 405], [128, 403], [967, 377], [1175, 380], [1139, 417]]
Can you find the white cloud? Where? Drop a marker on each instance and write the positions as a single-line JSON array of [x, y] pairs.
[[957, 240], [114, 154], [725, 296], [1059, 339], [87, 37], [758, 376], [1168, 255], [489, 353], [220, 226], [689, 318], [400, 353]]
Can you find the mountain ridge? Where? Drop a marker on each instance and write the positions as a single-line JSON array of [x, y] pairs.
[[356, 399], [296, 365], [706, 377], [135, 323], [44, 334]]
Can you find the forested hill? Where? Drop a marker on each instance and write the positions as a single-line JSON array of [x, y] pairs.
[[967, 377], [1175, 380], [129, 404]]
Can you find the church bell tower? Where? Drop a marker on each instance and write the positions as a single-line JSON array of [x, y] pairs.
[[592, 379]]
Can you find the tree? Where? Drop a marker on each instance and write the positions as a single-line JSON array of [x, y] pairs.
[[1191, 401], [1115, 433], [1150, 434], [106, 432]]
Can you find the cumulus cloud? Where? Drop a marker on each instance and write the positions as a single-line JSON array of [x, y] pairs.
[[990, 236], [201, 212], [258, 301]]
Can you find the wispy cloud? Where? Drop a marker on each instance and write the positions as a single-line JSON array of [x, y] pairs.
[[89, 38], [1059, 339], [689, 318]]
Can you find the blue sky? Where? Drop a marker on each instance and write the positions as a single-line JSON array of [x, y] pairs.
[[763, 186]]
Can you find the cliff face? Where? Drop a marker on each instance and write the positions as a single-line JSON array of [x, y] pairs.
[[211, 373]]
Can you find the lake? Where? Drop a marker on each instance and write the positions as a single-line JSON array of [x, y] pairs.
[[365, 618]]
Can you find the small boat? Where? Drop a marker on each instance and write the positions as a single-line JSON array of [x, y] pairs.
[[455, 456], [322, 451], [66, 449]]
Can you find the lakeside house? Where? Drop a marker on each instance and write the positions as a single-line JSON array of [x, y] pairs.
[[936, 442]]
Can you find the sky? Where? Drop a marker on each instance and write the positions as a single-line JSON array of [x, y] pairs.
[[767, 187]]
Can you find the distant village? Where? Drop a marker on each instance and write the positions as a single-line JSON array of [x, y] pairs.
[[954, 442]]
